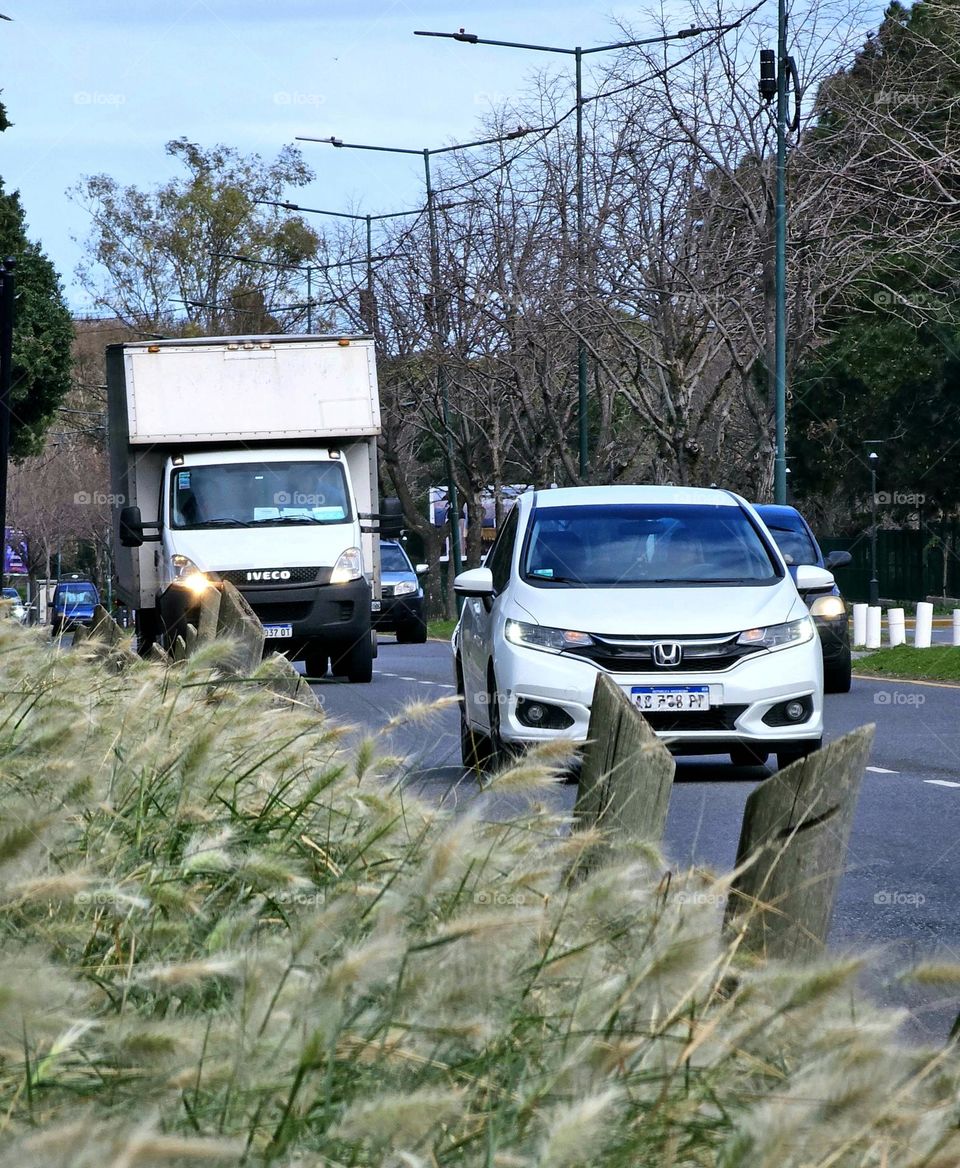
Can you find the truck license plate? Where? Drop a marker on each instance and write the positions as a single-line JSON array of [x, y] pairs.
[[677, 697], [278, 630]]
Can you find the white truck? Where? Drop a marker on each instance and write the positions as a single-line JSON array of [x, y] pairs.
[[250, 459]]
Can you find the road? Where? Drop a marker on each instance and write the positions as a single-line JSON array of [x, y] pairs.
[[900, 896]]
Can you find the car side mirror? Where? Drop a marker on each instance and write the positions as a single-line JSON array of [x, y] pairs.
[[131, 527], [474, 582], [813, 579], [837, 559]]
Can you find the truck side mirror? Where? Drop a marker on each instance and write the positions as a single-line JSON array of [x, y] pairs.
[[391, 518], [131, 527]]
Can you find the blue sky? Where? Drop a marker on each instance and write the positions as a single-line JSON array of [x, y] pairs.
[[99, 86]]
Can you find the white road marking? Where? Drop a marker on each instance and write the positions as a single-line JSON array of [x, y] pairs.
[[881, 771], [941, 783]]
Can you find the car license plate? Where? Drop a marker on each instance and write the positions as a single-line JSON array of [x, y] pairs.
[[278, 631], [666, 697]]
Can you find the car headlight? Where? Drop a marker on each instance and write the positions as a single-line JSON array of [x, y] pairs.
[[828, 607], [541, 637], [404, 588], [779, 636], [348, 567]]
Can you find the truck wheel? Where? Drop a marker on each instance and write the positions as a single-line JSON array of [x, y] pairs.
[[356, 661], [147, 625]]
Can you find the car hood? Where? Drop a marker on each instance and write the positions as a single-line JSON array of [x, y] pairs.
[[684, 611]]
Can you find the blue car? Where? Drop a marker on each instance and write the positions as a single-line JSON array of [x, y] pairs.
[[74, 601], [828, 608]]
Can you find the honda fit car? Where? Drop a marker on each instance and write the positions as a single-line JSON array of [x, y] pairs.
[[827, 606], [679, 594]]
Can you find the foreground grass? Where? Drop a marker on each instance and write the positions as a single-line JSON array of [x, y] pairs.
[[938, 663], [227, 939]]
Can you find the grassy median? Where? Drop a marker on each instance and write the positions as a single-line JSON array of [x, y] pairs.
[[938, 663], [227, 938]]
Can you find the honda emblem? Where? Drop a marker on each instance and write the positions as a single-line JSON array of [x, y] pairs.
[[667, 653]]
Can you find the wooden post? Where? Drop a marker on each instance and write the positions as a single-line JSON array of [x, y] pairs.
[[627, 772], [237, 620], [796, 827], [209, 615], [104, 628]]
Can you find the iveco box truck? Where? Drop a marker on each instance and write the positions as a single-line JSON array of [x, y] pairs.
[[253, 460]]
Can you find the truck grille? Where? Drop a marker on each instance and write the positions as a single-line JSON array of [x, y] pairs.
[[239, 576], [282, 613]]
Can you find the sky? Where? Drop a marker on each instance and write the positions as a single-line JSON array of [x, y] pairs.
[[99, 86]]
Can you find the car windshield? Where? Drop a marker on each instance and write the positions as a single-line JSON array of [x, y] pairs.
[[631, 545], [254, 494], [797, 546], [392, 559], [77, 594], [11, 594]]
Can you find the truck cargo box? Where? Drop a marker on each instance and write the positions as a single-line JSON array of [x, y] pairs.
[[251, 389]]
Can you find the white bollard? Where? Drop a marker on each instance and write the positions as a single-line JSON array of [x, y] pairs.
[[896, 626], [873, 626], [859, 624], [956, 626], [924, 629]]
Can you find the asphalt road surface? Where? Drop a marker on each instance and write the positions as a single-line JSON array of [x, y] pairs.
[[899, 899]]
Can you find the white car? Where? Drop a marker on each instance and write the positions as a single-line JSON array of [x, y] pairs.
[[679, 594]]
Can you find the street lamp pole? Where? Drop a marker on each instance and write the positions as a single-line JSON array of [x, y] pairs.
[[578, 54], [440, 331], [7, 301], [873, 458]]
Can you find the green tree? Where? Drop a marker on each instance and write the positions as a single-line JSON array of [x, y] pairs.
[[43, 333], [156, 256]]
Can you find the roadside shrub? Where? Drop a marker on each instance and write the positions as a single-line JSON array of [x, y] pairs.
[[230, 934]]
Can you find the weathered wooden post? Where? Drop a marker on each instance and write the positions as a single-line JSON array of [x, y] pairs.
[[796, 827], [237, 620], [627, 772]]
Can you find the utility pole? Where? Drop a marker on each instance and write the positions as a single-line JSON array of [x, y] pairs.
[[7, 301]]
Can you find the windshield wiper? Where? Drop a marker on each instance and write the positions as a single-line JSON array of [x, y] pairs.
[[220, 523], [555, 579], [284, 519]]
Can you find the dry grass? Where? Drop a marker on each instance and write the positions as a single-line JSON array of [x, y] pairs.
[[226, 940]]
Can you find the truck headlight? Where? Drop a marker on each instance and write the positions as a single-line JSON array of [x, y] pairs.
[[828, 607], [404, 588], [779, 636], [188, 575], [541, 637], [348, 567]]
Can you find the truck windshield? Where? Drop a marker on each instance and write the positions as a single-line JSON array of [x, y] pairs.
[[254, 494]]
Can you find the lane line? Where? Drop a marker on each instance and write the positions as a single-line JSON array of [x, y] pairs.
[[881, 771], [941, 783]]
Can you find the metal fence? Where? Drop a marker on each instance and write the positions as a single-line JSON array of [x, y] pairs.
[[911, 563]]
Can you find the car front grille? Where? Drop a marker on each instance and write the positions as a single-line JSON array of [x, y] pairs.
[[635, 654], [716, 718]]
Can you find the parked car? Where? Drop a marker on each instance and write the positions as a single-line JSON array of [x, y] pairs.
[[17, 609], [401, 605], [827, 606], [74, 600], [679, 594]]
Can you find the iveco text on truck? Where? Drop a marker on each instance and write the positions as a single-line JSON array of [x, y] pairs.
[[253, 460]]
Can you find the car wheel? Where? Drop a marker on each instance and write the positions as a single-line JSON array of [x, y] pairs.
[[412, 632], [475, 748], [355, 662], [796, 752], [316, 661], [837, 676], [748, 756]]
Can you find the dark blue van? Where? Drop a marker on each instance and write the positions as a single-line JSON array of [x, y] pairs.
[[74, 600]]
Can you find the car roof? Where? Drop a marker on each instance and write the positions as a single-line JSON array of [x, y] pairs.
[[780, 513], [675, 496]]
